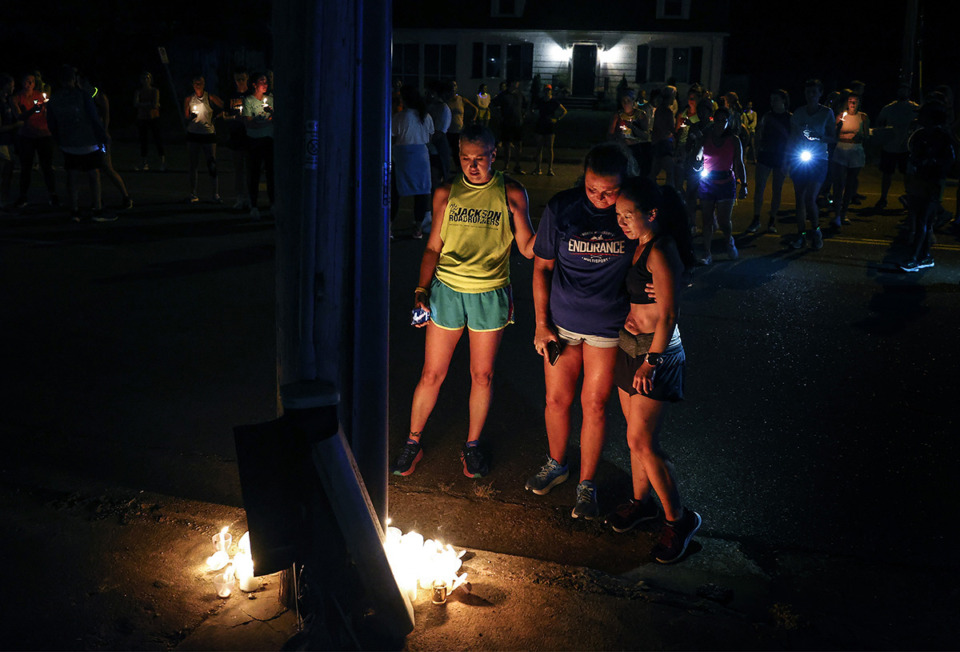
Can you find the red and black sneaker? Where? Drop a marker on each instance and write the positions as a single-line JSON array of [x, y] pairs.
[[410, 454]]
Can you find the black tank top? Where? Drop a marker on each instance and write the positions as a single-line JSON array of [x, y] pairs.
[[638, 276]]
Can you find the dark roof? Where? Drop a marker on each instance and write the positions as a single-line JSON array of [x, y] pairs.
[[579, 15]]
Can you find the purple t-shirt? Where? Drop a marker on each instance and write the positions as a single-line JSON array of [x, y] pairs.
[[592, 256]]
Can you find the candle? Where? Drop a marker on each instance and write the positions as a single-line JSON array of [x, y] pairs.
[[222, 541], [245, 577], [223, 582], [218, 560]]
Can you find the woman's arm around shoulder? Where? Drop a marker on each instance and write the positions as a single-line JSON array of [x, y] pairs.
[[520, 218]]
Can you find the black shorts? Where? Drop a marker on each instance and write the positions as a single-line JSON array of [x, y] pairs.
[[83, 162], [667, 379], [890, 162]]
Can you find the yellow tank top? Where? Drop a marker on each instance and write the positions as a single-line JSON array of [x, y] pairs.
[[476, 236]]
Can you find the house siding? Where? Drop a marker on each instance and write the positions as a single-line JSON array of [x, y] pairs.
[[617, 54]]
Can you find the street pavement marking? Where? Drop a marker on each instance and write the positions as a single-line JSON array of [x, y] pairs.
[[887, 243]]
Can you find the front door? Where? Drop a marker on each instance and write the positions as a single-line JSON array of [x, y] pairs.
[[584, 70]]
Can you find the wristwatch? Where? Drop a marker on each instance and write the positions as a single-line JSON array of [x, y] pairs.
[[654, 359]]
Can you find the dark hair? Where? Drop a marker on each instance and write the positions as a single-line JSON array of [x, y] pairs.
[[611, 159], [779, 92], [813, 82], [671, 212], [413, 100], [477, 133], [5, 79]]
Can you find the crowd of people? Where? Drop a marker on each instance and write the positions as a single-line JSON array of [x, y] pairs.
[[74, 117], [609, 253]]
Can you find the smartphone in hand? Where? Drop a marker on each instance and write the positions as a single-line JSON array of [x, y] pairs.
[[553, 351]]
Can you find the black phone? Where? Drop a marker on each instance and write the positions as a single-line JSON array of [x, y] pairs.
[[554, 349]]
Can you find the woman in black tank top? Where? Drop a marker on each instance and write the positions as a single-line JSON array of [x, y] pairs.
[[650, 361]]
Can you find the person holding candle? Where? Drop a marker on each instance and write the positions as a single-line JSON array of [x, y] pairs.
[[582, 257], [650, 359], [465, 283], [258, 118], [849, 158], [237, 140], [35, 138], [198, 109]]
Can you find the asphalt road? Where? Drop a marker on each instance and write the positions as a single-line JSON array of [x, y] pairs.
[[819, 413]]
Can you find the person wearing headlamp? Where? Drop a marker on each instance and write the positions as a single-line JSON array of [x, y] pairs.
[[812, 129]]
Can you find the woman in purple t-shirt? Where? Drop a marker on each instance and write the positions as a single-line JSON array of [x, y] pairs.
[[581, 259]]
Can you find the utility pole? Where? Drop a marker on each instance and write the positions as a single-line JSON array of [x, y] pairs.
[[908, 57], [331, 144]]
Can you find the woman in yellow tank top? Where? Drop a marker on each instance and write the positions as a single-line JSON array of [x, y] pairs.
[[465, 282]]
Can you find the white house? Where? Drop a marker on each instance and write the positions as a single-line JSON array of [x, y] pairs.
[[585, 47]]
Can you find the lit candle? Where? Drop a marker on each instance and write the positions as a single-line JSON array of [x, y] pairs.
[[245, 577], [223, 582], [218, 560], [222, 541]]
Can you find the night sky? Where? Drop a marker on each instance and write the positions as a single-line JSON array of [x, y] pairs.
[[837, 42]]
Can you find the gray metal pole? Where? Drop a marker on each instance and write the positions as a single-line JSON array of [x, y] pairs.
[[369, 426]]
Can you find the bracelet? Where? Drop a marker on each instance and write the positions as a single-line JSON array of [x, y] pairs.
[[421, 289]]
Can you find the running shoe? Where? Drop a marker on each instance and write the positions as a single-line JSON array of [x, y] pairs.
[[586, 505], [255, 213], [926, 262], [675, 538], [632, 513], [910, 266], [126, 204], [474, 462], [754, 225], [772, 226], [100, 216], [798, 241], [410, 454], [732, 252], [549, 476], [818, 239]]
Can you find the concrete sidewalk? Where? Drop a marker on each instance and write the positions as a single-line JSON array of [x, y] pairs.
[[111, 568]]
